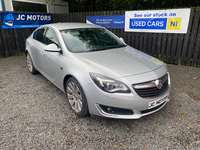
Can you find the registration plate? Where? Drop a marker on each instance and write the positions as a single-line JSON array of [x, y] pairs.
[[158, 102]]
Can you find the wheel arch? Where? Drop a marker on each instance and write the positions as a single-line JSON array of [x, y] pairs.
[[65, 80], [86, 111], [26, 51], [75, 77]]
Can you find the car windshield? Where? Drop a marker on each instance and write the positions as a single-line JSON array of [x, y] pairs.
[[90, 39]]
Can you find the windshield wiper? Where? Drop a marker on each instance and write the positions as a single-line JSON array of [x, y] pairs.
[[118, 46], [121, 46], [93, 50], [106, 48]]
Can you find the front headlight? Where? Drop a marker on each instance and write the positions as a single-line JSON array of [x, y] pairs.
[[108, 84]]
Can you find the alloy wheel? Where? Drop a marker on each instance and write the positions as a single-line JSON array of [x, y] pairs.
[[29, 63], [74, 96]]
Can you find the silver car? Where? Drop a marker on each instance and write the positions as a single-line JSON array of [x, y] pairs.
[[99, 73]]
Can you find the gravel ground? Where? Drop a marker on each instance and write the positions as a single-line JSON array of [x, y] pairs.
[[35, 115]]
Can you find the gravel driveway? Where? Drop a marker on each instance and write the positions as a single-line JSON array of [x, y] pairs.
[[35, 115]]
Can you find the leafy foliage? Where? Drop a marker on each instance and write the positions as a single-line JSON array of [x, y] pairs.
[[109, 5]]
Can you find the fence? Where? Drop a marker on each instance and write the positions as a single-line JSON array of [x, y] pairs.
[[172, 48]]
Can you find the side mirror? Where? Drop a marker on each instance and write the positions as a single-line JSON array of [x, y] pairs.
[[122, 40], [52, 48]]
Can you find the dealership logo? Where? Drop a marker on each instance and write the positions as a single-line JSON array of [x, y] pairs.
[[8, 20]]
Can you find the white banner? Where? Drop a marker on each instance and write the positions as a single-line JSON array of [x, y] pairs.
[[159, 21]]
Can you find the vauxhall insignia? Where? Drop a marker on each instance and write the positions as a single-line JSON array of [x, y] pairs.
[[159, 84]]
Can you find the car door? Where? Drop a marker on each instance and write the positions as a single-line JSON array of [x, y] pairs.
[[51, 60], [37, 47]]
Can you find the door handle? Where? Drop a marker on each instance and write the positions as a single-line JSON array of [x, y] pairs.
[[42, 53]]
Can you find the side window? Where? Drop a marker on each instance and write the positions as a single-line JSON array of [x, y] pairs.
[[34, 34], [50, 38], [40, 35]]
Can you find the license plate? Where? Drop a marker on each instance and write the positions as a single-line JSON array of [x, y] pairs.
[[158, 102]]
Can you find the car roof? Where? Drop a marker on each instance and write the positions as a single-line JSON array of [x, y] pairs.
[[62, 26]]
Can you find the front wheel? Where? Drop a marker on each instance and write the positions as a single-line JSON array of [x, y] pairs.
[[76, 97], [30, 65]]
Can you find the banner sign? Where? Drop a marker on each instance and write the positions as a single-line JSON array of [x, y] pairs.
[[160, 21], [114, 21], [24, 20]]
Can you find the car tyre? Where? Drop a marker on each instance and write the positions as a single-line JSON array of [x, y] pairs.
[[30, 65], [76, 97]]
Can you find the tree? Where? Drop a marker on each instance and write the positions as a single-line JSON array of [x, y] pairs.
[[110, 5]]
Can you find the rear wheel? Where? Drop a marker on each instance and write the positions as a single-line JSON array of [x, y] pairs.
[[76, 97], [30, 65]]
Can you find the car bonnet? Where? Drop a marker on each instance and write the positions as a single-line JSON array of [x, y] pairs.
[[116, 63]]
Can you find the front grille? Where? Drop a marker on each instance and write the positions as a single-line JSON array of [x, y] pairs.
[[152, 92]]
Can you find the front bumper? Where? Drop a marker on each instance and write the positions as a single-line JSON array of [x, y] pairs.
[[128, 101], [136, 114]]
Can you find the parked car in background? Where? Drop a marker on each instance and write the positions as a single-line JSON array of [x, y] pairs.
[[100, 74]]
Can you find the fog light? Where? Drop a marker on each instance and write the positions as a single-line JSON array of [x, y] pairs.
[[110, 110], [115, 110]]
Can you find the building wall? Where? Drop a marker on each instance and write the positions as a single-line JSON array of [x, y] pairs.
[[8, 6], [1, 5], [56, 7]]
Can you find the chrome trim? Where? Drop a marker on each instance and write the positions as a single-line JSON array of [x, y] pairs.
[[105, 114], [151, 84], [169, 83], [134, 116]]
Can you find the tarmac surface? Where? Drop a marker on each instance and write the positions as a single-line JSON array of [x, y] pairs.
[[34, 114]]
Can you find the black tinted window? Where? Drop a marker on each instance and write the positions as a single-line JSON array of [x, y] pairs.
[[29, 7], [40, 35], [34, 34]]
